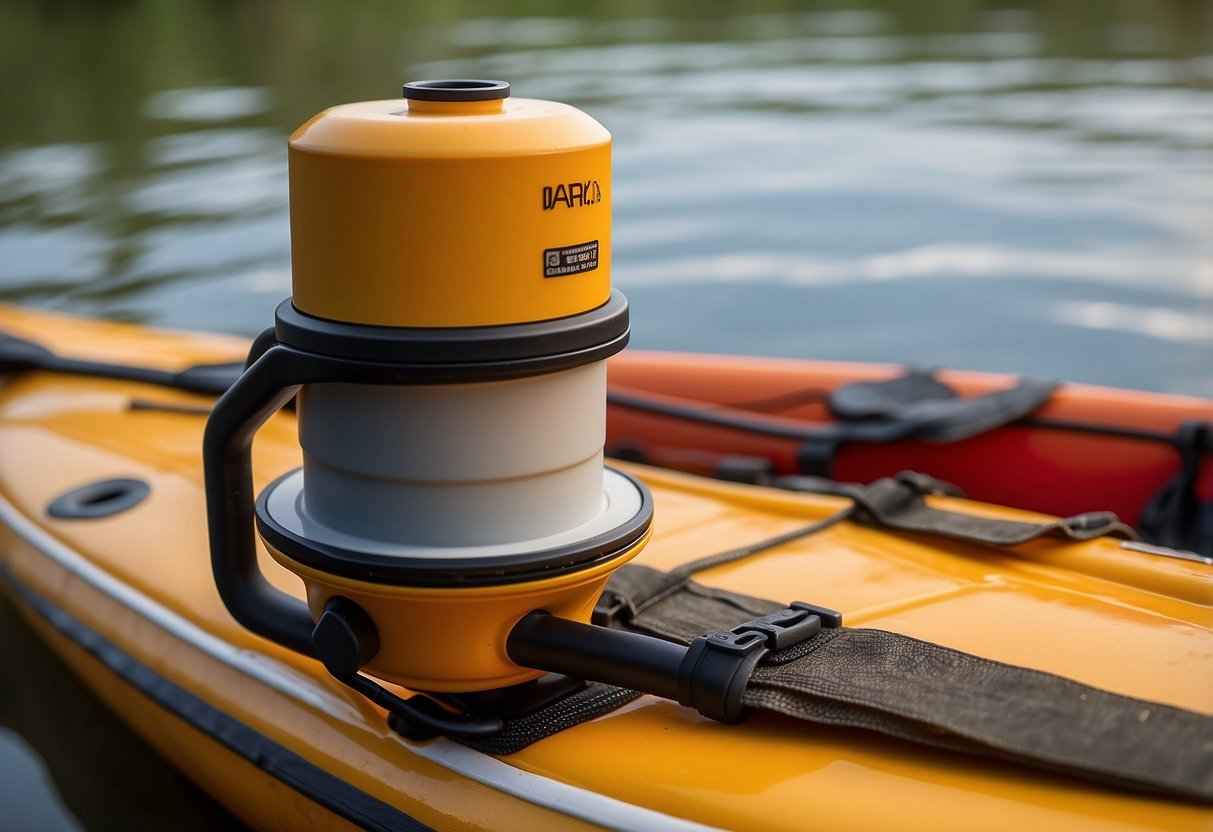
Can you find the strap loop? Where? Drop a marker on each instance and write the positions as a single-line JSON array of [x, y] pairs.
[[900, 503]]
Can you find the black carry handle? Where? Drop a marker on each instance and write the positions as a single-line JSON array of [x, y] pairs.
[[270, 382], [227, 463], [265, 388]]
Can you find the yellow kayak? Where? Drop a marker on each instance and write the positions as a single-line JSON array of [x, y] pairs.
[[128, 600]]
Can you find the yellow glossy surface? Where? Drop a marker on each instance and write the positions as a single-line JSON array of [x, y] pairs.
[[437, 218], [1122, 620], [454, 639]]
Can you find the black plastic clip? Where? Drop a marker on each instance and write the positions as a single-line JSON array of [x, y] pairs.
[[713, 675], [612, 609], [345, 638]]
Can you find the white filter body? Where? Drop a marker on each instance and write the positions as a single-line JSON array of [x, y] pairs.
[[455, 464]]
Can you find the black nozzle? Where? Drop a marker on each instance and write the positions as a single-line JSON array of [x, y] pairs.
[[710, 675]]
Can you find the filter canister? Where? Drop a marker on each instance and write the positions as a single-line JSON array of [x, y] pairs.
[[445, 343], [457, 207]]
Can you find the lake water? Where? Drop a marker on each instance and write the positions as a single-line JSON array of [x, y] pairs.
[[1023, 189]]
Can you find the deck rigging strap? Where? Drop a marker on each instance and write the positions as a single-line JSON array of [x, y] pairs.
[[904, 687], [941, 697], [910, 689], [900, 503]]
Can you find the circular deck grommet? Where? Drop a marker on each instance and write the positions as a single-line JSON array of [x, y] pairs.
[[103, 498]]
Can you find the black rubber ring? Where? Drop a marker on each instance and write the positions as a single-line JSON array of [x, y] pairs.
[[561, 342], [456, 90]]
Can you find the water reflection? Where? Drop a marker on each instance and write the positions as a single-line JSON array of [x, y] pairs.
[[1047, 145], [1168, 324], [202, 104]]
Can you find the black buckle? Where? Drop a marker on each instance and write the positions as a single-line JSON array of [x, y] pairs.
[[713, 675], [797, 623]]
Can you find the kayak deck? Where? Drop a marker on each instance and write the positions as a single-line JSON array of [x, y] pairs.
[[1108, 616]]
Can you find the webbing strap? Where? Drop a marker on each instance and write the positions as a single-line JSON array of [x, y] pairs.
[[897, 503], [933, 695], [900, 503], [593, 701], [634, 589], [936, 696]]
